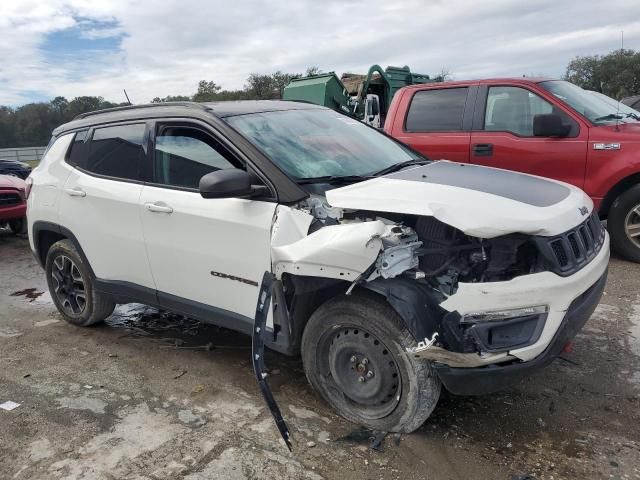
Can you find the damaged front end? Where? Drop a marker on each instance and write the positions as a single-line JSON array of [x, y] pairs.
[[416, 263]]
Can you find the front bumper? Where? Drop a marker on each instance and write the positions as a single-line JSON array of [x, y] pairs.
[[544, 288], [13, 212], [491, 378]]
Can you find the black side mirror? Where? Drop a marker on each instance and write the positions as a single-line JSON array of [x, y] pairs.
[[230, 183], [550, 125]]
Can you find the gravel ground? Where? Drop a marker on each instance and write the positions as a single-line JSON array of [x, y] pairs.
[[150, 395]]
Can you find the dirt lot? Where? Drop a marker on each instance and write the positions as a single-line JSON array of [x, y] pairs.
[[134, 399]]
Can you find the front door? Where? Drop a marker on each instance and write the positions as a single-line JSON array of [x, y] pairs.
[[506, 139], [203, 252]]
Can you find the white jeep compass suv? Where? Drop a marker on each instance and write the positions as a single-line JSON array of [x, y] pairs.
[[390, 274]]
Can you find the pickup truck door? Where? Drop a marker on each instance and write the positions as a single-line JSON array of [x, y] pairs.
[[437, 121], [207, 256], [502, 136]]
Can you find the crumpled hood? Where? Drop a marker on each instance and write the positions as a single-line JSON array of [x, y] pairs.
[[480, 201]]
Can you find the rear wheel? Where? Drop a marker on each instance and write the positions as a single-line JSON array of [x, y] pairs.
[[624, 224], [71, 287], [354, 354]]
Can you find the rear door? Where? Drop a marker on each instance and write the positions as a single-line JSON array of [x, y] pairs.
[[437, 122], [100, 202], [503, 137], [207, 255]]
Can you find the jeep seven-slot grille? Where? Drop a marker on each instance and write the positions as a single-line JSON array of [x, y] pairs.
[[9, 199], [572, 250]]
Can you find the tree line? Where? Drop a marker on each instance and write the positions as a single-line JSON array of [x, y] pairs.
[[30, 125], [616, 74]]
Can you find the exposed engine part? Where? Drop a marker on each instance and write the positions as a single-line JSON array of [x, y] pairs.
[[448, 256], [317, 206], [399, 252]]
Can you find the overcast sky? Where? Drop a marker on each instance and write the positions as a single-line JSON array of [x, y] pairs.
[[162, 47]]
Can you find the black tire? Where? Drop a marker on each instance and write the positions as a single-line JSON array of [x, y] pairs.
[[18, 225], [362, 327], [69, 280], [621, 212]]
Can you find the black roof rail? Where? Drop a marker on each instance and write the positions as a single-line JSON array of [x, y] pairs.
[[146, 105]]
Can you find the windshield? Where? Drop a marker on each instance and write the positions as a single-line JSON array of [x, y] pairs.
[[317, 143], [618, 106], [593, 107]]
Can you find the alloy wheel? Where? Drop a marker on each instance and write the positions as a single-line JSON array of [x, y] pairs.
[[632, 225], [69, 286]]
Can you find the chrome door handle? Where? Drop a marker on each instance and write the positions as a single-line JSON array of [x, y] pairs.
[[158, 207], [75, 192]]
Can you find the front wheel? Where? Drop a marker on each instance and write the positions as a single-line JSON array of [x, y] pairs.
[[71, 287], [624, 224], [354, 355]]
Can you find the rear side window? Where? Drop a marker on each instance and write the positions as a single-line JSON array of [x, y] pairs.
[[117, 151], [437, 110], [77, 152]]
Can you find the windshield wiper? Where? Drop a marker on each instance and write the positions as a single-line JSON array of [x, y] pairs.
[[333, 179], [610, 116], [399, 166], [617, 116]]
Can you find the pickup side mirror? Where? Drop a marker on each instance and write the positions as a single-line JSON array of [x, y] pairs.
[[230, 183], [550, 125]]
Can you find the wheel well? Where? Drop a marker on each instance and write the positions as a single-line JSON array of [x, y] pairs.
[[45, 239], [616, 191]]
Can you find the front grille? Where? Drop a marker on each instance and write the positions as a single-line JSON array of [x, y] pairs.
[[569, 252], [9, 199]]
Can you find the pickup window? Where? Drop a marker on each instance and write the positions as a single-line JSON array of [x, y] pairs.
[[437, 110], [511, 109]]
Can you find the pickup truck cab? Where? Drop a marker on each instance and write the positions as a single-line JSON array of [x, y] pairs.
[[544, 127]]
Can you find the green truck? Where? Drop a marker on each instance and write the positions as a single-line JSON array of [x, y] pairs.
[[365, 97]]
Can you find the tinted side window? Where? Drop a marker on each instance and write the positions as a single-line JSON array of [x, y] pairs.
[[184, 155], [77, 152], [437, 110], [117, 151], [511, 109]]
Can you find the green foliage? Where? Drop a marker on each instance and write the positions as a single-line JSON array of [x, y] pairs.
[[616, 74], [30, 125]]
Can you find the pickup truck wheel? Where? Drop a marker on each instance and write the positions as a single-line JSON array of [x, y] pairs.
[[71, 287], [354, 355], [624, 224]]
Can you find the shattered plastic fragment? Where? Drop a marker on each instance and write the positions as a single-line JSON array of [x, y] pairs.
[[9, 405]]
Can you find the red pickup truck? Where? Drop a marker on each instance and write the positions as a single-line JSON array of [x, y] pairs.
[[13, 205], [544, 127]]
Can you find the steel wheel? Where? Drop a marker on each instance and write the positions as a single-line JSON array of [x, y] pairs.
[[69, 285], [632, 225], [363, 370]]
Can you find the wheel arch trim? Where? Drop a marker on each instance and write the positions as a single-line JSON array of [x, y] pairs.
[[39, 227], [615, 191]]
